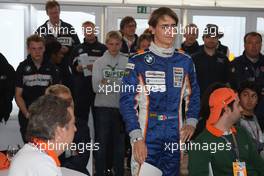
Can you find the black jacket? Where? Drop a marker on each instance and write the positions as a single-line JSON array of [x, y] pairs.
[[243, 69], [222, 48], [7, 88], [66, 33], [210, 69], [191, 49], [34, 81], [66, 30]]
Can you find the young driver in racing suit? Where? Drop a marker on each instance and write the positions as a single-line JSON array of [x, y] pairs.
[[156, 83]]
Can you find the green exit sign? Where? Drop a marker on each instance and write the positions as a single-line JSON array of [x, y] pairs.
[[142, 9]]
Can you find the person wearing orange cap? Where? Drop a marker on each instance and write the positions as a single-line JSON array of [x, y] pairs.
[[50, 130], [230, 150]]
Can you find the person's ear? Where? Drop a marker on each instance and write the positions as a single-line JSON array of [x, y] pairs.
[[152, 29], [58, 136], [227, 109]]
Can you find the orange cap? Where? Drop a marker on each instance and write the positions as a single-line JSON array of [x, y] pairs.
[[218, 100], [4, 162]]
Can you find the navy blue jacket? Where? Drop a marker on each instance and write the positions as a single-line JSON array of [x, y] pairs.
[[243, 69]]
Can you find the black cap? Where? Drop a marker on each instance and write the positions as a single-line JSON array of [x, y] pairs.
[[212, 30]]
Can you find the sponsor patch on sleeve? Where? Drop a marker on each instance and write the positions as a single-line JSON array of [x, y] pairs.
[[178, 74], [130, 66]]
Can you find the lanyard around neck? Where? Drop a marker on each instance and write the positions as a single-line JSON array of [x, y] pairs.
[[234, 146]]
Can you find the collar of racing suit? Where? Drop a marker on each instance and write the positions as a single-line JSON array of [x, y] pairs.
[[162, 52]]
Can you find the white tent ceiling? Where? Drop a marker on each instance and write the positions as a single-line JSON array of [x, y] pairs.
[[183, 3], [208, 3]]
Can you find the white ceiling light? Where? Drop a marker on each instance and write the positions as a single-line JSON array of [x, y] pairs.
[[93, 1], [198, 2], [154, 2], [241, 3]]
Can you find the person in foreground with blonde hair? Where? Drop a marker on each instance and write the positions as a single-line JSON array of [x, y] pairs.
[[61, 91], [78, 159]]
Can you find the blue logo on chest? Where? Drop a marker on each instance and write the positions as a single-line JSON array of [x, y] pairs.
[[149, 59]]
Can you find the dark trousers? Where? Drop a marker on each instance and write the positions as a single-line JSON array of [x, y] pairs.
[[23, 122], [109, 132], [83, 98], [83, 101]]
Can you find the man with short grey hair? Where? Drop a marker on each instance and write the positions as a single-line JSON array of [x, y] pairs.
[[50, 131]]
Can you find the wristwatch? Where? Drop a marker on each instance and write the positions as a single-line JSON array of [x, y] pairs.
[[137, 139]]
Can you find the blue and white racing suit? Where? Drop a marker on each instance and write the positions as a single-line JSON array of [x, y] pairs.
[[156, 86]]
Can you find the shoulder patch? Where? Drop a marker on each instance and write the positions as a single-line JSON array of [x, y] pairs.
[[140, 51], [140, 54], [3, 77], [27, 68]]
